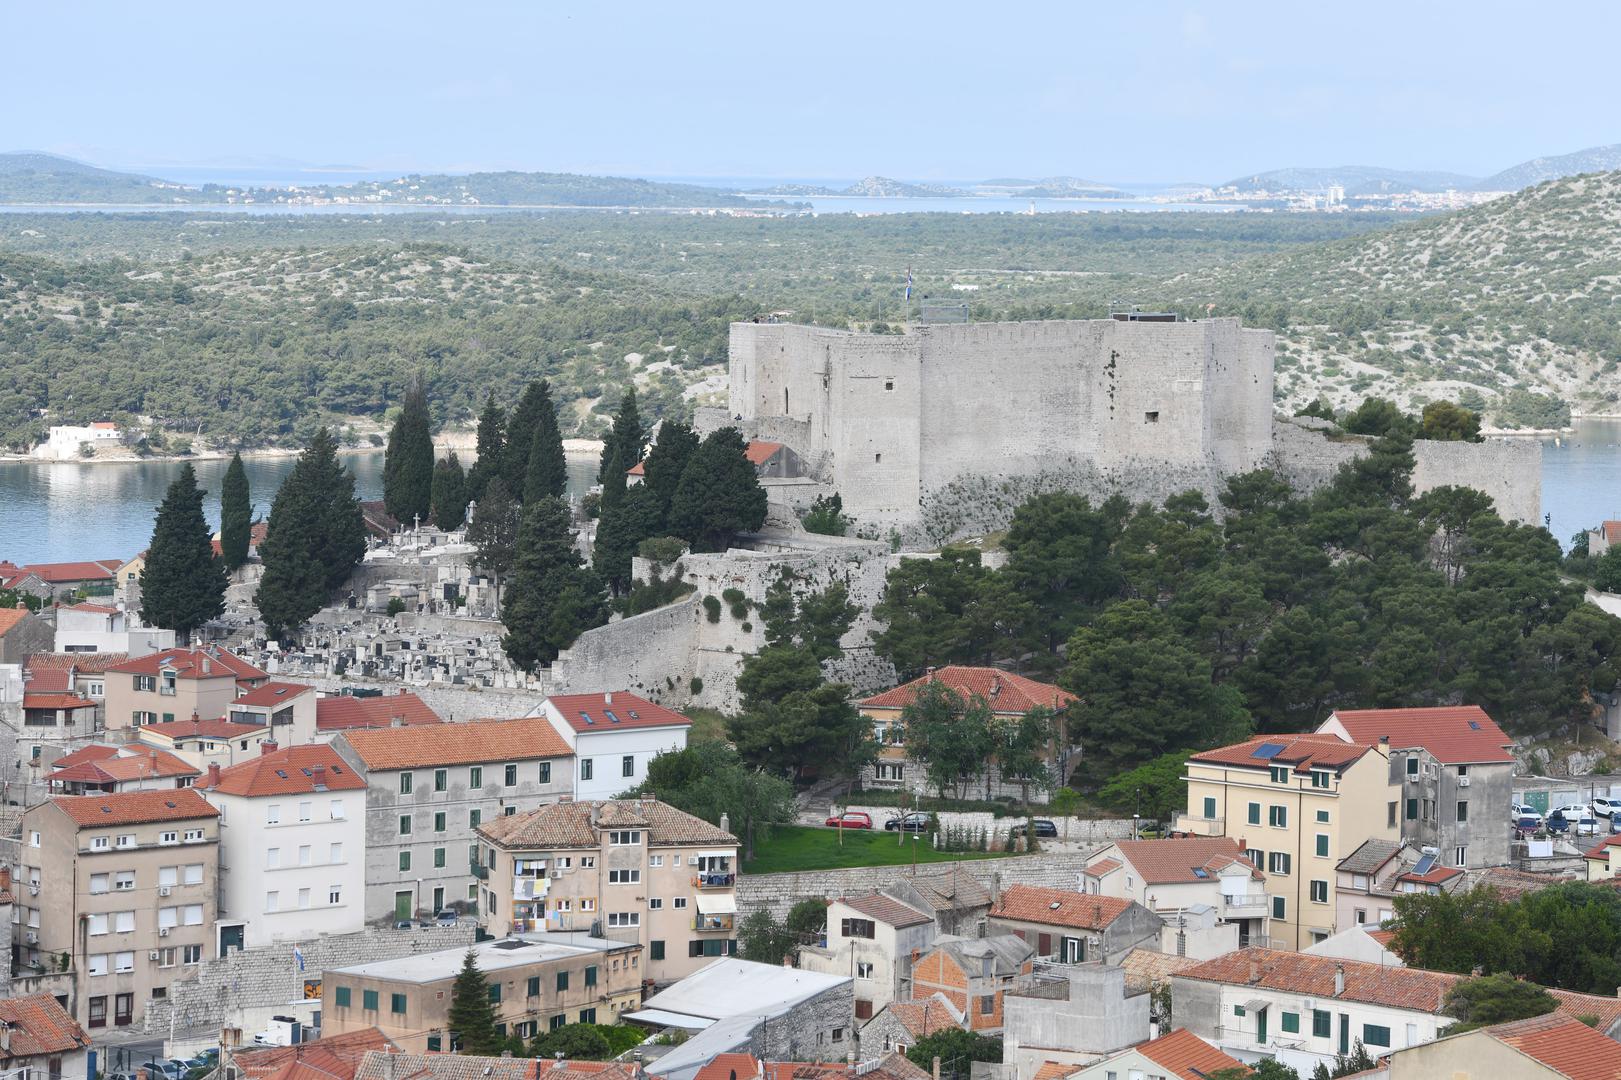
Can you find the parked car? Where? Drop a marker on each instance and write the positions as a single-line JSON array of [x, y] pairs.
[[1573, 811], [1604, 806], [1583, 823], [1527, 822], [1042, 825], [447, 918], [1556, 823], [914, 822], [850, 819], [1516, 811]]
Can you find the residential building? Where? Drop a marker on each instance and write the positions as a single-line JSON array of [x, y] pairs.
[[428, 789], [1364, 942], [1603, 859], [98, 769], [1073, 927], [958, 900], [1447, 762], [1178, 874], [206, 742], [69, 442], [40, 1041], [171, 685], [48, 581], [901, 1024], [1368, 880], [377, 1065], [1556, 1046], [1298, 804], [1073, 1014], [637, 869], [22, 633], [84, 674], [292, 825], [106, 628], [331, 1057], [287, 709], [735, 1006], [974, 974], [873, 937], [1008, 696], [125, 888], [1600, 539], [1181, 1055], [51, 722], [341, 712], [538, 982], [1304, 1009], [889, 1066], [613, 736]]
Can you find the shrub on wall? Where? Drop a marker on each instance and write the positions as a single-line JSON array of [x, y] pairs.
[[712, 608]]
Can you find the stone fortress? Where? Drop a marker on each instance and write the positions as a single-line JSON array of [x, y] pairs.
[[944, 430]]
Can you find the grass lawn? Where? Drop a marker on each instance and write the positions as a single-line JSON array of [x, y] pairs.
[[707, 725], [805, 847]]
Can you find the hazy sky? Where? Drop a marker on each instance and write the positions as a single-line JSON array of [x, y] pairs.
[[1110, 91]]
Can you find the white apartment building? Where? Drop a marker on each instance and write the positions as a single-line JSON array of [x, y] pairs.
[[104, 628], [292, 846], [613, 736]]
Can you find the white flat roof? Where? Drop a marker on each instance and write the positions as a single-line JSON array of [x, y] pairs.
[[511, 952], [732, 987]]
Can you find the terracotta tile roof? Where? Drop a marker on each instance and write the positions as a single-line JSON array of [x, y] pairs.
[[86, 663], [1052, 1070], [93, 752], [886, 909], [1456, 735], [289, 771], [1369, 856], [1300, 752], [339, 713], [11, 618], [1383, 937], [39, 1026], [1612, 531], [1186, 1055], [134, 807], [56, 701], [1511, 884], [1607, 1009], [376, 1065], [759, 451], [207, 729], [1004, 691], [613, 712], [1440, 875], [1104, 866], [1563, 1044], [1174, 862], [926, 1016], [745, 1066], [256, 536], [62, 573], [473, 743], [190, 664], [1146, 968], [1030, 903], [335, 1055], [953, 890], [49, 681], [130, 763], [271, 694], [1599, 852], [568, 825], [94, 609], [1313, 976]]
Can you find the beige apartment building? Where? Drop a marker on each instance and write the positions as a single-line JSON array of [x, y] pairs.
[[123, 886], [1298, 805], [177, 684], [630, 869]]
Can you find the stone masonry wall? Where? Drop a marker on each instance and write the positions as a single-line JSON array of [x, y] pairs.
[[454, 703], [255, 977]]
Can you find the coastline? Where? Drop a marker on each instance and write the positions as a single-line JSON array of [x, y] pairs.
[[463, 443]]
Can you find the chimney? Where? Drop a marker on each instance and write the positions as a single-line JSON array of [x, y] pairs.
[[1243, 845], [396, 721], [318, 777], [213, 774], [1339, 979], [608, 697], [1384, 740], [208, 666], [269, 746], [1255, 973], [5, 879], [725, 822], [5, 1037], [996, 685]]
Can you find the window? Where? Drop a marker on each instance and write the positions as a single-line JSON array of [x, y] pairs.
[[1459, 855], [510, 776], [272, 901], [588, 862], [334, 853], [303, 899], [1390, 815], [405, 824], [1291, 1023], [438, 857], [1412, 809], [591, 975], [436, 1043], [557, 1021], [337, 810], [439, 821], [1280, 774], [474, 817], [655, 903], [475, 776], [562, 981], [340, 997], [396, 1003], [1319, 892], [1412, 765], [1279, 908], [863, 969], [1322, 845], [98, 883], [406, 780], [167, 917], [655, 860], [1255, 813], [125, 840], [98, 843], [1238, 1010], [624, 877], [987, 1004], [146, 684], [334, 894], [124, 880], [655, 950], [585, 768], [441, 781], [1319, 778], [123, 922], [1322, 1024], [405, 861], [856, 928], [545, 772], [1463, 811], [1375, 1035], [97, 963], [625, 838], [97, 925], [368, 1000], [1278, 863], [1277, 817], [588, 1016], [627, 765], [1210, 808], [273, 814], [303, 854], [624, 918], [681, 902], [191, 954], [306, 811], [533, 990]]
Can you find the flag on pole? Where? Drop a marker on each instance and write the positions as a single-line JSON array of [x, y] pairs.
[[908, 284], [298, 957]]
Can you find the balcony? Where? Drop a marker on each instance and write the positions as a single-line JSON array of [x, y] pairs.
[[1199, 826], [1251, 906], [479, 870], [713, 924], [714, 879]]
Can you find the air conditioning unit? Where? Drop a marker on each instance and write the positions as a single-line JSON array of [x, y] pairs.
[[163, 890], [163, 931], [30, 937], [153, 955], [555, 874], [1412, 778], [1463, 781], [33, 888]]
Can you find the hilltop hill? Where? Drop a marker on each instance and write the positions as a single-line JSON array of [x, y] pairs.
[[1355, 179], [1516, 295], [1542, 169], [45, 178], [1053, 187]]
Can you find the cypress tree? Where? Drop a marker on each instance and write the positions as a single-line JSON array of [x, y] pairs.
[[472, 1016], [547, 473], [536, 399], [492, 436], [449, 493], [236, 515], [634, 517], [408, 461], [719, 494], [314, 539], [183, 583], [493, 532], [628, 436], [552, 597], [676, 444]]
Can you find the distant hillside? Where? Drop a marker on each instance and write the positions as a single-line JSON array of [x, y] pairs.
[[1054, 187], [1519, 294], [1542, 169], [882, 187], [46, 178], [1355, 179]]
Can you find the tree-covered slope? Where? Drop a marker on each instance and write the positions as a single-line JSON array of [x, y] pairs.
[[46, 178]]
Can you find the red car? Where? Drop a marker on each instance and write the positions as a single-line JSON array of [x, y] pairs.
[[851, 819]]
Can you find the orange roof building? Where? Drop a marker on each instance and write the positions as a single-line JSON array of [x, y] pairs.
[[42, 1039], [1073, 927], [341, 712], [613, 735], [1181, 1054], [1554, 1046], [126, 768]]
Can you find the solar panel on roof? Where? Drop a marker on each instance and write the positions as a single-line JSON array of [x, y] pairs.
[[1425, 865], [1268, 750]]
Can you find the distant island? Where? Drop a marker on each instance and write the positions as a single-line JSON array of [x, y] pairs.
[[884, 187]]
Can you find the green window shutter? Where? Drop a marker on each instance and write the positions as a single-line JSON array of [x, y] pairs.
[[1209, 807], [368, 1000], [562, 981], [495, 992], [405, 860], [1291, 1023], [1322, 845], [534, 986], [340, 997], [396, 1003], [475, 776], [1375, 1035], [1255, 813], [1412, 809], [435, 1044], [1238, 1010], [545, 772], [591, 975], [655, 950], [1279, 908]]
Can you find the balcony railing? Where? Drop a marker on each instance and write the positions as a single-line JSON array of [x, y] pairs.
[[1253, 905], [710, 924], [480, 871], [1198, 826], [714, 879]]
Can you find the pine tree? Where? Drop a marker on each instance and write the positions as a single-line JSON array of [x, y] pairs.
[[676, 444], [449, 493], [628, 437], [493, 532], [634, 517], [551, 597], [314, 539], [236, 515], [183, 584], [536, 399], [719, 494], [408, 461], [546, 475], [492, 435], [472, 1016]]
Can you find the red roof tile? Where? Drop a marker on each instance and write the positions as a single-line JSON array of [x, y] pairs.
[[11, 618], [1058, 907], [886, 909], [134, 807], [94, 609], [1186, 1055], [1612, 532], [290, 771], [335, 1055], [271, 694], [84, 663], [39, 1026], [1564, 1044], [759, 451], [1300, 752], [93, 752], [205, 663], [1599, 852], [207, 729], [256, 536], [1313, 976], [1104, 866], [926, 1016], [65, 572], [57, 701], [614, 711], [49, 681], [474, 743], [1457, 735], [128, 764], [1004, 691], [342, 712], [1440, 875], [1174, 861]]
